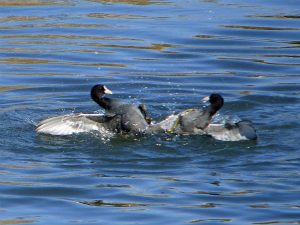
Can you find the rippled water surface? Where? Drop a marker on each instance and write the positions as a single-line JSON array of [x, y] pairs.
[[166, 55]]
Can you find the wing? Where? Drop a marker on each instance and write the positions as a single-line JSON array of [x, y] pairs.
[[72, 124], [232, 132], [193, 119], [247, 130], [168, 123]]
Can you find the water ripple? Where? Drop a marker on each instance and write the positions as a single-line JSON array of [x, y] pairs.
[[167, 55]]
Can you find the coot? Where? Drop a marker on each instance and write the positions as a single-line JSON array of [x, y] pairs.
[[198, 121], [192, 120], [119, 117]]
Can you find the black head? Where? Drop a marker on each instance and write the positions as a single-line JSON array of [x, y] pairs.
[[98, 91], [216, 99]]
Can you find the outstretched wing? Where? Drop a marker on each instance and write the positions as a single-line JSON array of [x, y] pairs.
[[232, 132], [72, 124]]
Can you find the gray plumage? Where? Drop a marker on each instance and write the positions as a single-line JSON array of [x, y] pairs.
[[232, 132], [132, 120], [192, 120], [78, 123], [119, 117]]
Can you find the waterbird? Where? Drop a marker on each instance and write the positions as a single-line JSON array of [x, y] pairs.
[[198, 121], [122, 117], [119, 117]]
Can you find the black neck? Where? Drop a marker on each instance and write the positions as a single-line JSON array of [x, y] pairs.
[[215, 107], [101, 101]]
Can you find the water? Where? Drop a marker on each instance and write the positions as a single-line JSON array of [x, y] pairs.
[[167, 55]]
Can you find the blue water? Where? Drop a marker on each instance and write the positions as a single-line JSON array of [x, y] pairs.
[[167, 55]]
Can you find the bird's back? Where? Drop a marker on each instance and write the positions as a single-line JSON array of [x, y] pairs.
[[132, 118]]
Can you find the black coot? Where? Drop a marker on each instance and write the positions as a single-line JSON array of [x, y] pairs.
[[191, 120], [132, 119]]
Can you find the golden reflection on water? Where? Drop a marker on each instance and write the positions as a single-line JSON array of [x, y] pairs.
[[54, 50], [69, 3], [260, 61], [133, 2], [18, 167], [121, 16], [101, 203], [278, 16], [262, 206], [33, 3], [21, 18], [19, 183], [230, 194], [16, 108], [58, 25], [43, 61], [211, 37], [149, 195], [257, 28], [27, 61], [56, 74], [114, 204], [210, 221], [6, 88], [17, 221], [280, 56], [160, 47], [171, 74], [56, 36], [277, 222], [155, 47]]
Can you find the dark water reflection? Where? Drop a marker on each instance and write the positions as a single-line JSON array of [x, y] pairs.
[[167, 55]]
